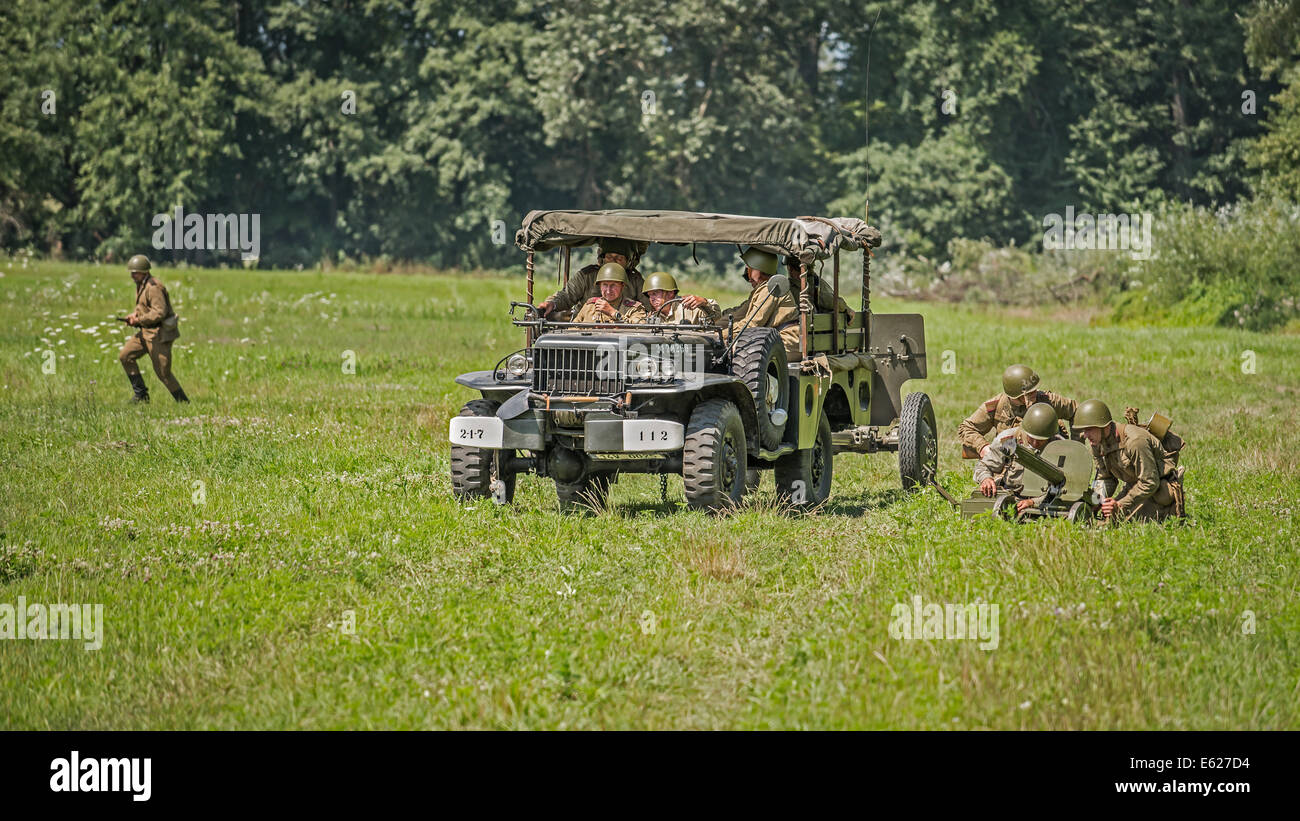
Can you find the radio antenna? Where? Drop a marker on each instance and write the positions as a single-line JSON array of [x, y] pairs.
[[866, 212]]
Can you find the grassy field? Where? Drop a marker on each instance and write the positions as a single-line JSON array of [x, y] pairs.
[[324, 493]]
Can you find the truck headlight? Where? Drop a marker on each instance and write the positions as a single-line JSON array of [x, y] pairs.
[[666, 369], [643, 367], [517, 365]]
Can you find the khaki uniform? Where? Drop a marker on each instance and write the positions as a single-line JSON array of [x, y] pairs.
[[582, 286], [1005, 471], [706, 314], [760, 312], [631, 310], [1152, 482], [159, 328], [998, 415]]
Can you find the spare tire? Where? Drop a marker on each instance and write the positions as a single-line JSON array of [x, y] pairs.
[[759, 361]]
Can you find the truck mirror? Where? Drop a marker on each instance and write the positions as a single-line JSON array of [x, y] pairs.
[[779, 285]]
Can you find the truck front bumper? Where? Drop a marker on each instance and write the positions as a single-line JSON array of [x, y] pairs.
[[530, 431]]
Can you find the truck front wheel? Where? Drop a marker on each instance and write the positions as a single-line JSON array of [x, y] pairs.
[[471, 468], [714, 456]]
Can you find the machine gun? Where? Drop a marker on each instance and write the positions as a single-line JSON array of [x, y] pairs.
[[1062, 475]]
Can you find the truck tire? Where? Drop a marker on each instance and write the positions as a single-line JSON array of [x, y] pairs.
[[471, 468], [918, 444], [803, 478], [759, 361], [714, 456], [590, 493]]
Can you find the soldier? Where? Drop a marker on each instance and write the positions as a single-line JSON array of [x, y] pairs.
[[996, 470], [661, 290], [1019, 391], [582, 286], [761, 309], [1153, 483], [159, 328], [611, 305]]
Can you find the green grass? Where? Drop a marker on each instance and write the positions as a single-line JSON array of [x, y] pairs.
[[328, 492]]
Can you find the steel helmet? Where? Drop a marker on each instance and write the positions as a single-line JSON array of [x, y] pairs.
[[1092, 414], [1040, 421], [762, 260], [660, 281], [1018, 380], [139, 262], [612, 272], [614, 245]]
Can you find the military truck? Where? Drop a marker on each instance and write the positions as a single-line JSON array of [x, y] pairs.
[[583, 403]]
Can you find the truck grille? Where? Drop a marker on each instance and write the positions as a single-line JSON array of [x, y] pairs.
[[577, 371]]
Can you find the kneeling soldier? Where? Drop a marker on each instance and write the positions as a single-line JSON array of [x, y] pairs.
[[1004, 411], [159, 327], [998, 471], [1153, 482], [611, 306]]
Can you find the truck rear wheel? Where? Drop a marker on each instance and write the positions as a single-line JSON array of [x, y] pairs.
[[803, 478], [714, 456], [760, 362], [471, 468], [918, 444]]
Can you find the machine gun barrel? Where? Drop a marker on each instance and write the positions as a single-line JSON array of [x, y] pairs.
[[1035, 463]]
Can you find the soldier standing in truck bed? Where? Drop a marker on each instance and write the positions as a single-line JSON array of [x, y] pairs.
[[582, 286], [1019, 391]]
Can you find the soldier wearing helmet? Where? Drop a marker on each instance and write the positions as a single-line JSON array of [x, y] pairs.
[[661, 292], [582, 286], [761, 309], [1153, 482], [612, 305], [159, 328], [996, 470], [1004, 411]]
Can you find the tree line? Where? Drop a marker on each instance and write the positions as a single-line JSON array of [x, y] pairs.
[[408, 129]]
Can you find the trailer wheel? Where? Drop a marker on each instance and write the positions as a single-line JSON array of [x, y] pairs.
[[471, 468], [918, 445]]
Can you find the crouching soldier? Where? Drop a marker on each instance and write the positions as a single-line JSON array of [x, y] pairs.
[[1153, 482], [159, 327], [998, 472], [1004, 411], [611, 305]]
